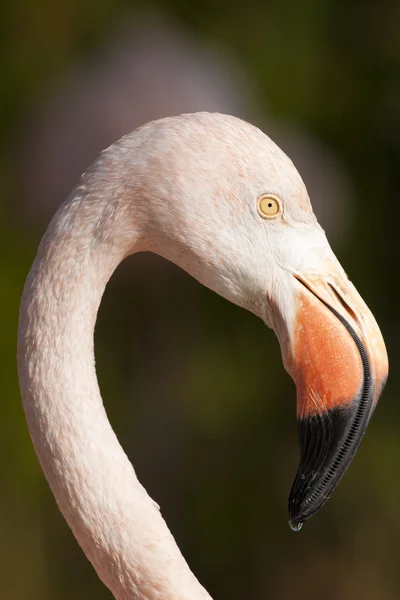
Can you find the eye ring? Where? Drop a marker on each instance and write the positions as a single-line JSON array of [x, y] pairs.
[[269, 206]]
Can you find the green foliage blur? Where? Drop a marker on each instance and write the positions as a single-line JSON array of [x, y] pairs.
[[193, 386]]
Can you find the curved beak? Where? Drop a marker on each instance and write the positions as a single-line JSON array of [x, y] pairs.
[[337, 358]]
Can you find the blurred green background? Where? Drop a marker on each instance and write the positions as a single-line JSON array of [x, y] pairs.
[[193, 386]]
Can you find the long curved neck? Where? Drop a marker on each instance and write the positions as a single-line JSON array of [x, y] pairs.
[[114, 520]]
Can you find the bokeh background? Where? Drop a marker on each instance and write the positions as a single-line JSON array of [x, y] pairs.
[[193, 386]]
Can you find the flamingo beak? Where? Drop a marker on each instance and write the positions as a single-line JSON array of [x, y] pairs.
[[337, 358]]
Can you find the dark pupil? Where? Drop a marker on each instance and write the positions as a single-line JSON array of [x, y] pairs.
[[270, 204]]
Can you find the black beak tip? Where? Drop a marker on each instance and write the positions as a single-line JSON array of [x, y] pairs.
[[328, 443], [302, 507], [325, 455]]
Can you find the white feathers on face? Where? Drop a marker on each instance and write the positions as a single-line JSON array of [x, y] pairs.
[[293, 245], [228, 201]]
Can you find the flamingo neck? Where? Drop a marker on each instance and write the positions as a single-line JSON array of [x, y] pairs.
[[117, 524]]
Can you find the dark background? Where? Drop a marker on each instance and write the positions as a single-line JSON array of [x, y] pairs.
[[193, 386]]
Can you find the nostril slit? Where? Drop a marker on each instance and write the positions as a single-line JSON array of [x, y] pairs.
[[343, 302]]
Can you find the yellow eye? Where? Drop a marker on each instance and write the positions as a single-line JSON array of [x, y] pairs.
[[269, 206]]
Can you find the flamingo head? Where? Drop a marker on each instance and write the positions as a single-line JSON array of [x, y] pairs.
[[238, 218]]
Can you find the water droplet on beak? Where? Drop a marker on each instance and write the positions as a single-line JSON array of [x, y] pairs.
[[295, 526]]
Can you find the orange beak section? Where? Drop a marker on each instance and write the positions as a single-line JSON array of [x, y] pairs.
[[337, 358]]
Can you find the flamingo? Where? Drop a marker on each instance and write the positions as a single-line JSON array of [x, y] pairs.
[[217, 197]]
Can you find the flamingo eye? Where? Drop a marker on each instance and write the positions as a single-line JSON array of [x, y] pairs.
[[269, 206]]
